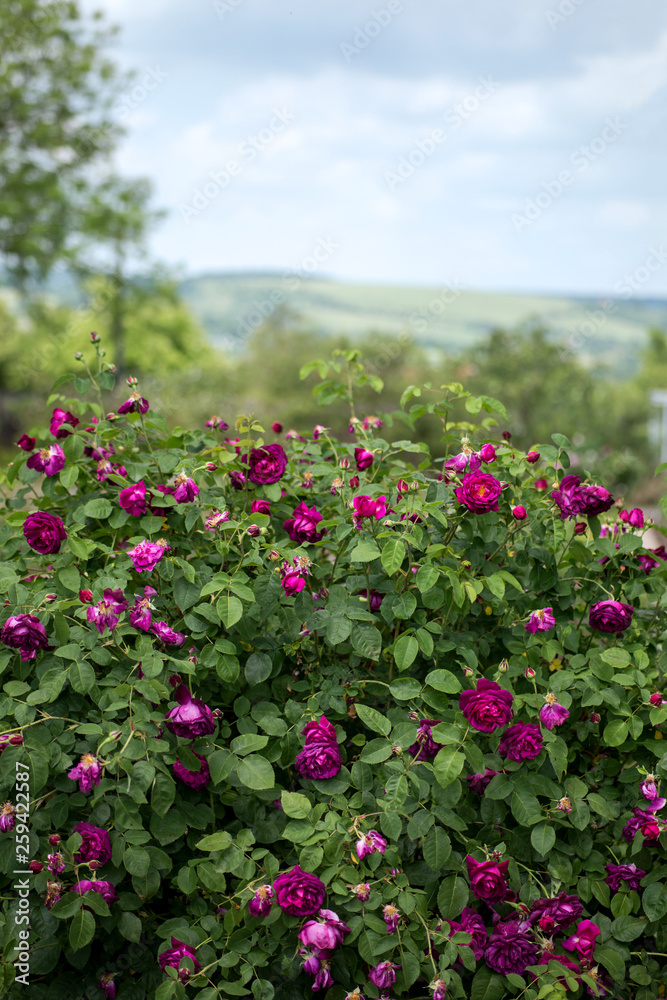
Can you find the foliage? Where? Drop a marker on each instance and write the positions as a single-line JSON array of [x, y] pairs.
[[377, 616]]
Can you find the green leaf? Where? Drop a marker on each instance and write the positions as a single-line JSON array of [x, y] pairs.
[[255, 772], [230, 609], [404, 605], [163, 794], [295, 805], [452, 897], [258, 667], [443, 680], [248, 743], [405, 651], [437, 848], [136, 861], [393, 555], [338, 629], [365, 550], [427, 577], [373, 719], [82, 929], [221, 763], [525, 807], [130, 926], [81, 676], [612, 962], [405, 688], [447, 765], [219, 841], [615, 733], [543, 837], [487, 985], [654, 901], [98, 508], [376, 751], [627, 928]]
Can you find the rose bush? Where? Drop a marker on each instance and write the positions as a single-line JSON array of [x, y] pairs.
[[320, 717]]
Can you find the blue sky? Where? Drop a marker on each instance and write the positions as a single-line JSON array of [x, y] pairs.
[[514, 145]]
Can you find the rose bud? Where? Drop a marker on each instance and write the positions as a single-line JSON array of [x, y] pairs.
[[532, 457], [468, 671], [94, 337], [656, 698], [36, 866], [112, 369], [54, 839], [354, 482], [115, 734], [344, 463], [507, 435], [519, 513], [253, 530], [51, 597], [16, 740], [211, 466], [595, 717], [503, 666], [580, 527], [132, 381], [277, 427], [78, 356], [175, 680], [530, 673]]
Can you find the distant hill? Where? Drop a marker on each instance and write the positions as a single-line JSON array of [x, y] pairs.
[[608, 331]]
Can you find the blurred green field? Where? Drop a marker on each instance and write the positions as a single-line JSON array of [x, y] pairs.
[[229, 306]]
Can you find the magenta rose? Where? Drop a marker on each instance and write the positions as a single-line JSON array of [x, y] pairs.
[[425, 747], [105, 889], [320, 732], [50, 461], [135, 404], [302, 525], [146, 555], [629, 874], [192, 717], [60, 417], [44, 533], [610, 616], [25, 633], [95, 844], [363, 459], [325, 933], [133, 499], [488, 879], [267, 464], [319, 761], [511, 948], [479, 492], [260, 507], [486, 707], [193, 779], [471, 923], [167, 635], [522, 741], [583, 939], [26, 443], [555, 913], [173, 956], [299, 893], [478, 782]]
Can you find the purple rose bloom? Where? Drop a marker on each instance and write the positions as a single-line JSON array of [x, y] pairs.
[[319, 761], [425, 747], [62, 417], [95, 844], [191, 718], [107, 985], [572, 498], [479, 492], [88, 772], [478, 782], [486, 707], [44, 533], [320, 732], [193, 779], [167, 635], [105, 613], [173, 956], [133, 499], [610, 616], [261, 902], [522, 741], [595, 500], [26, 443], [185, 489], [556, 913], [325, 933], [383, 975], [140, 612], [25, 633], [146, 555], [552, 714], [237, 479], [374, 597], [370, 842], [540, 621], [471, 923], [105, 889], [363, 458], [487, 453], [629, 874], [302, 525], [50, 461], [511, 948], [7, 817], [299, 893], [267, 464], [644, 820], [135, 404], [260, 507], [488, 879]]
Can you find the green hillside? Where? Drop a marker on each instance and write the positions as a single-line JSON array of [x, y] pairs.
[[231, 305]]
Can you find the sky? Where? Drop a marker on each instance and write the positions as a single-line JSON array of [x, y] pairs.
[[512, 145]]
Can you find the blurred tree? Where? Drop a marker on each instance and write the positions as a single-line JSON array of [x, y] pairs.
[[56, 96]]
